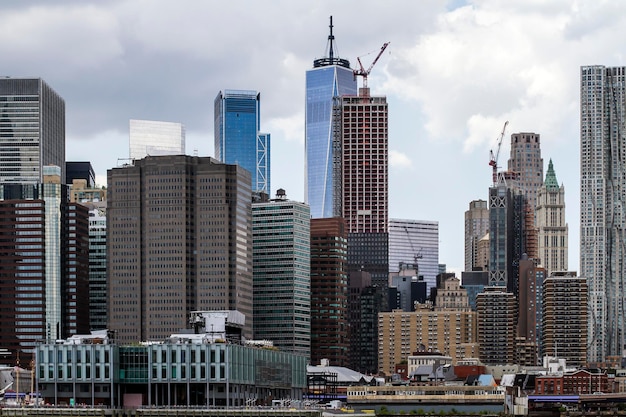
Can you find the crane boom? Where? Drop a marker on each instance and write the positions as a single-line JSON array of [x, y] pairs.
[[493, 159], [365, 72]]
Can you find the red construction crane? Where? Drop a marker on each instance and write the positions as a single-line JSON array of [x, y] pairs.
[[493, 159], [362, 71]]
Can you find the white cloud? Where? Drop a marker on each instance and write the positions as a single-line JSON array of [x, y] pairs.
[[452, 77], [399, 160]]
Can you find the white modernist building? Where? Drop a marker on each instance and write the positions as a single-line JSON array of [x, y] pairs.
[[155, 138]]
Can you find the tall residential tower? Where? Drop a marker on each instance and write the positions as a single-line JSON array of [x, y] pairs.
[[602, 202]]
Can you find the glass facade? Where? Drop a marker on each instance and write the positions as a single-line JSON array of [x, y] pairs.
[[237, 137], [32, 130], [52, 195], [154, 138], [168, 374], [415, 241], [97, 270], [322, 84], [281, 274]]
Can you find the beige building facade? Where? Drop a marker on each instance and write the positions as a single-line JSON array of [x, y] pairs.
[[400, 334]]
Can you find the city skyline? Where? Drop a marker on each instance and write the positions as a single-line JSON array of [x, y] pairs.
[[439, 134]]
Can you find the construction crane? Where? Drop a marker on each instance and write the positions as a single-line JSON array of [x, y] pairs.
[[362, 71], [493, 159]]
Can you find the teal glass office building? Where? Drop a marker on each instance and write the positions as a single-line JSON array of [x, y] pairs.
[[330, 77], [237, 136]]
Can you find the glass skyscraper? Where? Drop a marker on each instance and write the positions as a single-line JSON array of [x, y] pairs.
[[32, 130], [330, 77], [281, 234], [237, 137]]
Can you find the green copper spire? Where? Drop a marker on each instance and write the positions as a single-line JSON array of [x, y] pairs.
[[551, 182]]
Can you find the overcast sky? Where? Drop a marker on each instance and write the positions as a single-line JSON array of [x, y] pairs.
[[453, 73]]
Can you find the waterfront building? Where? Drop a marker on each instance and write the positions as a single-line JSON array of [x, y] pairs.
[[183, 371], [32, 123], [237, 136], [329, 291], [602, 218], [330, 77], [282, 273], [179, 239], [497, 318], [551, 226], [44, 265], [463, 398], [564, 309], [476, 226], [155, 138], [582, 381], [402, 333], [80, 171]]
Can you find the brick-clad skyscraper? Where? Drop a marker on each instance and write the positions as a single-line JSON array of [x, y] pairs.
[[179, 239], [329, 291], [362, 131]]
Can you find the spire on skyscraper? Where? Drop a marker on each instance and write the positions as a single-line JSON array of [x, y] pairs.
[[330, 59], [551, 182]]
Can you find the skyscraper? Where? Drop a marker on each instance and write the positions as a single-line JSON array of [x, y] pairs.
[[44, 263], [98, 269], [281, 273], [551, 227], [476, 226], [329, 291], [565, 318], [179, 239], [80, 171], [529, 330], [32, 130], [497, 315], [155, 138], [330, 77], [602, 197], [527, 163], [415, 241], [506, 234], [237, 137], [361, 128]]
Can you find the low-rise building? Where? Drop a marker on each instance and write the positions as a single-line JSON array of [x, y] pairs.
[[194, 369]]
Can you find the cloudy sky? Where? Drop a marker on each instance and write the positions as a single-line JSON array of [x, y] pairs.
[[453, 73]]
